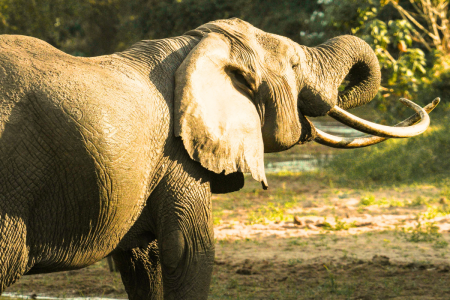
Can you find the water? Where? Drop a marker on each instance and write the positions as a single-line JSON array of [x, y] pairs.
[[309, 162], [301, 164]]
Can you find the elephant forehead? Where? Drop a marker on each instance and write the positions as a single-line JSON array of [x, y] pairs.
[[271, 44], [277, 53], [234, 24]]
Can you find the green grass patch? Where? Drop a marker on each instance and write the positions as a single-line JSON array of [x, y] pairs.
[[418, 201], [436, 211], [339, 225], [269, 213], [422, 232]]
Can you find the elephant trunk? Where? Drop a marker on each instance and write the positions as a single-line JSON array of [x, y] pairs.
[[350, 59], [328, 65]]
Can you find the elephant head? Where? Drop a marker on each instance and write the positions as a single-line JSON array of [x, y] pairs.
[[242, 92]]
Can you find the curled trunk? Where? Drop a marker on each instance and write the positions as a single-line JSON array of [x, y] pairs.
[[350, 61], [342, 58]]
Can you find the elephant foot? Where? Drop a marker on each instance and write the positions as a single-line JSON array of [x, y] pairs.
[[141, 272]]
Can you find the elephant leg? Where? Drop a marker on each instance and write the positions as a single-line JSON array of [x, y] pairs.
[[141, 272], [181, 206], [14, 260]]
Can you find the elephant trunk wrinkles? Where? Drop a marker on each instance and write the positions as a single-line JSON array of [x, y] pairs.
[[329, 64]]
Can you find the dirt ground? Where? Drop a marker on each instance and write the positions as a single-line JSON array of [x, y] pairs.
[[303, 240]]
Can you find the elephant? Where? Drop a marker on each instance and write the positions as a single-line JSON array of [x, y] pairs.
[[118, 155]]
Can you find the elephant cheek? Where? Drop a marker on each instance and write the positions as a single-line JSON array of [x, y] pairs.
[[285, 130], [280, 139]]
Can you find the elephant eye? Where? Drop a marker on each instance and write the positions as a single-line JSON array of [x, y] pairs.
[[241, 82]]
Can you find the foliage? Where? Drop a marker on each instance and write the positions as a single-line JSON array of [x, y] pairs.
[[410, 46], [414, 66], [427, 232], [367, 200], [339, 225], [39, 18], [96, 27], [332, 280], [406, 73], [79, 27], [434, 212], [332, 18], [167, 18], [400, 49], [431, 22], [269, 213]]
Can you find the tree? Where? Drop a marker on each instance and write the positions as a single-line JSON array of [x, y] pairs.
[[431, 22]]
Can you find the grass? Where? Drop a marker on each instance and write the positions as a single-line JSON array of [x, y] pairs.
[[398, 161], [433, 212], [421, 232], [285, 198], [339, 225], [418, 201], [255, 206], [270, 213]]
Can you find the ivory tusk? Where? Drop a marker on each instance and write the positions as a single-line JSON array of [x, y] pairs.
[[349, 143], [380, 130]]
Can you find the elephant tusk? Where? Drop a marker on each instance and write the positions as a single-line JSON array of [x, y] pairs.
[[380, 130], [349, 143]]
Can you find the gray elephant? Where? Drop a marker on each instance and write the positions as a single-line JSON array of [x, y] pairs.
[[119, 154]]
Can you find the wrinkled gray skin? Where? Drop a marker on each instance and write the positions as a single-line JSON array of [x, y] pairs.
[[118, 155]]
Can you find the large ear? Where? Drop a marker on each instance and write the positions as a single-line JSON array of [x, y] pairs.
[[217, 121]]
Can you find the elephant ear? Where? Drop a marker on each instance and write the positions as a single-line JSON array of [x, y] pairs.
[[218, 123]]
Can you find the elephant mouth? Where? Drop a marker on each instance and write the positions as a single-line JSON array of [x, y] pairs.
[[412, 126]]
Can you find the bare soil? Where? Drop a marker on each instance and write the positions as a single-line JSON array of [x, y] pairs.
[[305, 239]]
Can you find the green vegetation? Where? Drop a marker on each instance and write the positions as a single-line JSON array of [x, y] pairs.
[[436, 211], [413, 52], [422, 232], [267, 213], [339, 225], [418, 202], [426, 157], [95, 27]]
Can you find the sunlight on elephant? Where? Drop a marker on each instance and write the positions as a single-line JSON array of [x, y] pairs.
[[118, 155]]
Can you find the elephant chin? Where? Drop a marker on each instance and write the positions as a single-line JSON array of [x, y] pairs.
[[406, 128]]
